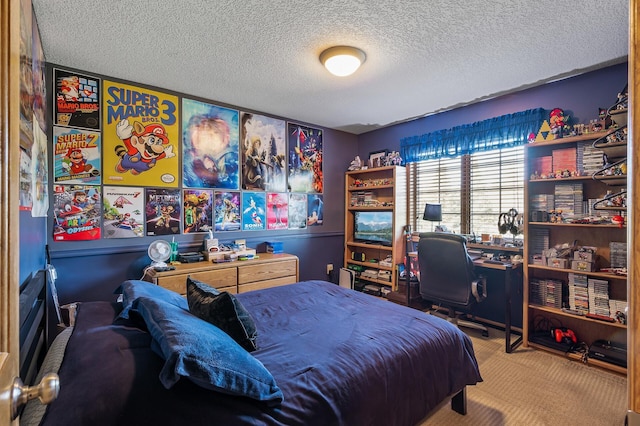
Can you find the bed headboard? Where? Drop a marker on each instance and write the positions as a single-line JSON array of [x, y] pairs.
[[32, 325]]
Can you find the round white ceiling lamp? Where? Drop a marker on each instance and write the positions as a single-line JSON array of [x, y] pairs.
[[342, 60]]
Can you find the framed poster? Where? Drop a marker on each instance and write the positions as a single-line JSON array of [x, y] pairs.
[[305, 159], [264, 153]]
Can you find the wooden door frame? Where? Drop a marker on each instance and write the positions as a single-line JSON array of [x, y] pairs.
[[9, 198]]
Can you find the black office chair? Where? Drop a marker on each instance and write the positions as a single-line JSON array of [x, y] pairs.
[[447, 276]]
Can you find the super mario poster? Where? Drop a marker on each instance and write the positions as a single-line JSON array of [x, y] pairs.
[[305, 159], [140, 137], [123, 212], [264, 153], [76, 213], [277, 210], [253, 211], [210, 146], [315, 210], [198, 210], [297, 211], [162, 211], [77, 102], [76, 156], [227, 210]]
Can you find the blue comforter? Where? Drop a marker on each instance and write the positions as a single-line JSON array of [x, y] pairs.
[[340, 358]]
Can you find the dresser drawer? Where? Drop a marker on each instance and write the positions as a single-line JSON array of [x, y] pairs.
[[221, 279], [267, 271], [275, 282]]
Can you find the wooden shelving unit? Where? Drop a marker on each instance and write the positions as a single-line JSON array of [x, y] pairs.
[[597, 235], [386, 189]]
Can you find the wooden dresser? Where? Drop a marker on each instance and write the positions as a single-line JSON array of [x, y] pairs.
[[268, 270]]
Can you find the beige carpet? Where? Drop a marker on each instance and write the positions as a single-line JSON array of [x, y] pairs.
[[532, 387]]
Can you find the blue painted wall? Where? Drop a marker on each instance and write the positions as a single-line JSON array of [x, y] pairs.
[[91, 270], [580, 97]]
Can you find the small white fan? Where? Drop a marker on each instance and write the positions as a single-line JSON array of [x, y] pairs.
[[159, 251]]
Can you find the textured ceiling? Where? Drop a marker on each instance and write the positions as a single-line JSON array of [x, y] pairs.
[[423, 56]]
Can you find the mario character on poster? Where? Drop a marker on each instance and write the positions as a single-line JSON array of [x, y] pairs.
[[227, 211], [76, 213], [77, 100], [264, 153], [210, 146], [198, 210], [123, 212], [76, 156], [140, 137], [253, 211], [277, 210], [305, 159], [163, 212]]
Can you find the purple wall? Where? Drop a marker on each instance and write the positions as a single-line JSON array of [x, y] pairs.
[[580, 97]]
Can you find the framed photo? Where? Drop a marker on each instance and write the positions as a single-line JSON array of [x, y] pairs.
[[376, 158]]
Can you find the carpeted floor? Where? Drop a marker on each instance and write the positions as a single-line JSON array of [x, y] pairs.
[[532, 387]]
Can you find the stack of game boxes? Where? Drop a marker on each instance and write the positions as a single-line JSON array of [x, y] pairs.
[[589, 159], [599, 297], [578, 293], [618, 253], [568, 198], [564, 159], [546, 292]]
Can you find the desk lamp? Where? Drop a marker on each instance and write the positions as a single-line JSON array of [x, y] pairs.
[[432, 213]]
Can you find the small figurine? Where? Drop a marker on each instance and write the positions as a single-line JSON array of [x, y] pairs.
[[356, 164], [558, 122]]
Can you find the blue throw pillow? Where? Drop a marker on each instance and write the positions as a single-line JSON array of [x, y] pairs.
[[206, 355], [132, 289], [223, 310]]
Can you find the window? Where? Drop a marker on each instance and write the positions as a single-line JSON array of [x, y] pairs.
[[473, 189]]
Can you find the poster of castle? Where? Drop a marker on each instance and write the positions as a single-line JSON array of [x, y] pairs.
[[140, 137], [264, 153]]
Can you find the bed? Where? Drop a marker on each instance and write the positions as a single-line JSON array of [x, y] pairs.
[[336, 357]]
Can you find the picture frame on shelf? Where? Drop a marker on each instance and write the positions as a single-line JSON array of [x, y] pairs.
[[376, 158]]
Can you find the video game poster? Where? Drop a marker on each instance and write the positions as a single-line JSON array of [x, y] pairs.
[[315, 210], [264, 153], [253, 211], [227, 210], [277, 210], [198, 210], [163, 211], [77, 102], [140, 137], [210, 146], [76, 156], [123, 212], [305, 159], [76, 213], [297, 210]]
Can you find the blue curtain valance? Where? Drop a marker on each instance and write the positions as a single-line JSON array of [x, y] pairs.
[[504, 131]]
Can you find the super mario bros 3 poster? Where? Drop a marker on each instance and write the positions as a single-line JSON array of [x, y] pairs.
[[140, 137], [210, 146], [76, 156], [77, 102], [305, 159], [76, 213]]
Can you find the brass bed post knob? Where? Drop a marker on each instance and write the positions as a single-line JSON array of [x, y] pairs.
[[46, 391]]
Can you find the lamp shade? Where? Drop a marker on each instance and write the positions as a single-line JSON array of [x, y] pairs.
[[432, 212], [342, 60]]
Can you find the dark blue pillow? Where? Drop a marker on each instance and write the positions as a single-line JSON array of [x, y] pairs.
[[223, 310], [206, 355], [132, 289]]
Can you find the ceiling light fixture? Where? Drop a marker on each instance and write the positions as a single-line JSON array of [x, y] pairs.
[[342, 60]]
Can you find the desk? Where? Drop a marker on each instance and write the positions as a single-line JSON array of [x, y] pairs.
[[508, 269]]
